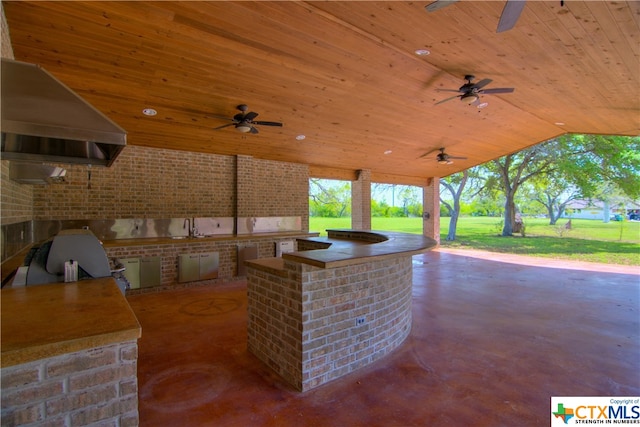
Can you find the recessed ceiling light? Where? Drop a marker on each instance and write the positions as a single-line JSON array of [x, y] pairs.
[[422, 52], [388, 152], [300, 137], [149, 112], [483, 104], [559, 123]]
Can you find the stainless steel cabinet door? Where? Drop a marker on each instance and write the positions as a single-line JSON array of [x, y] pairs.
[[188, 268], [209, 264], [132, 271], [150, 272]]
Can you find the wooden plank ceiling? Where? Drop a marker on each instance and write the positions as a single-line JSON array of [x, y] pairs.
[[344, 74]]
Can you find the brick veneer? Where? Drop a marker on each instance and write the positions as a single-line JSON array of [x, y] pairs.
[[361, 201], [302, 319], [431, 206], [17, 199], [155, 183], [98, 385]]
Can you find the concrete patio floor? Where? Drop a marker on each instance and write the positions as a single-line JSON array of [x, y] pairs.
[[494, 337]]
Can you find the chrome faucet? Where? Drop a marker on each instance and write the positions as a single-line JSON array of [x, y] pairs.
[[187, 225]]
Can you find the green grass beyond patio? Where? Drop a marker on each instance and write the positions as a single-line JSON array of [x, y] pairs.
[[616, 242]]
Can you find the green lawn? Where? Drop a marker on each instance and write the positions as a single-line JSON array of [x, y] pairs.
[[588, 240]]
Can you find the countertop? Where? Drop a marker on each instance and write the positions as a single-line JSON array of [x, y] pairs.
[[359, 247], [192, 240], [11, 265], [48, 320]]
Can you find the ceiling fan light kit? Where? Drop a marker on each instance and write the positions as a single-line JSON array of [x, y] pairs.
[[469, 98]]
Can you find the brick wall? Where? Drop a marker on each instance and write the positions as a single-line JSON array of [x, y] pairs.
[[270, 188], [93, 386], [143, 183], [155, 183], [16, 199], [274, 310], [303, 319]]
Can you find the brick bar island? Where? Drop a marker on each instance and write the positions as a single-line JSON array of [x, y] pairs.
[[69, 355], [338, 304]]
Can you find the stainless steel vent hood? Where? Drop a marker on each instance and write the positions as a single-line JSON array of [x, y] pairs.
[[44, 120], [34, 174]]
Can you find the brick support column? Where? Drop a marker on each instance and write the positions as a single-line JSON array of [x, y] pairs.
[[245, 194], [431, 209], [361, 201]]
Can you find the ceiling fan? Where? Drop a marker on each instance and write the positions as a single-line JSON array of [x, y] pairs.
[[442, 157], [470, 92], [244, 122], [445, 159], [508, 18]]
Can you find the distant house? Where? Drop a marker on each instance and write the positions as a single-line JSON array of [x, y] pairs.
[[604, 211]]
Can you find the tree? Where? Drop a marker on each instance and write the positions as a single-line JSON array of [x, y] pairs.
[[596, 161], [379, 208], [554, 192], [407, 195], [328, 198], [455, 185], [586, 161], [513, 171], [612, 197]]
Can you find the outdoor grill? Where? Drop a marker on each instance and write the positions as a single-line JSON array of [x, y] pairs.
[[71, 255]]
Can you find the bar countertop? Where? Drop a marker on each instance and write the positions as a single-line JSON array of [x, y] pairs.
[[200, 239], [356, 246], [48, 320]]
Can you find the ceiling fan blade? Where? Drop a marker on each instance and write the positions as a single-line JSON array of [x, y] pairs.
[[498, 90], [448, 99], [250, 115], [449, 90], [215, 116], [439, 4], [254, 129], [224, 126], [238, 118], [267, 123], [510, 15], [433, 150], [482, 83], [456, 157]]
